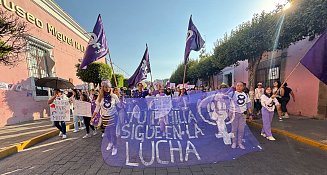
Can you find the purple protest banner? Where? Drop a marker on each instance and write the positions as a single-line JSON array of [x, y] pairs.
[[176, 131]]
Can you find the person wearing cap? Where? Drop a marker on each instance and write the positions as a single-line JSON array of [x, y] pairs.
[[107, 102], [223, 85], [61, 125], [258, 92]]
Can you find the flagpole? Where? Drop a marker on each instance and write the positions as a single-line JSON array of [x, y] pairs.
[[184, 75], [151, 79], [297, 65], [113, 72]]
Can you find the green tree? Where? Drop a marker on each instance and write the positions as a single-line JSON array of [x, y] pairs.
[[178, 74], [125, 82], [253, 38], [95, 73], [120, 80], [12, 39]]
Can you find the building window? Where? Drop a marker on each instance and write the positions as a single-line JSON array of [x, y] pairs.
[[40, 64], [273, 73]]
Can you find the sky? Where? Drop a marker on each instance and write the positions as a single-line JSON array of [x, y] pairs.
[[130, 24]]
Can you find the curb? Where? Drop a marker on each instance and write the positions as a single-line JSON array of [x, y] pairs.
[[298, 138], [29, 143]]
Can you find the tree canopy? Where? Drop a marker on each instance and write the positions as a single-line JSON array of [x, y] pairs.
[[94, 73], [249, 40]]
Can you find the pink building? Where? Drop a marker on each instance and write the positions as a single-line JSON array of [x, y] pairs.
[[310, 93], [55, 43]]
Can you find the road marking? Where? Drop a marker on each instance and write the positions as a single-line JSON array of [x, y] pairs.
[[47, 144]]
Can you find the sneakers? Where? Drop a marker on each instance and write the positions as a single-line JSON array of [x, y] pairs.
[[286, 115], [234, 145], [94, 132], [87, 136], [281, 118], [82, 127], [271, 138], [241, 146], [64, 136], [75, 131], [263, 135], [102, 135], [114, 151], [109, 146], [60, 134]]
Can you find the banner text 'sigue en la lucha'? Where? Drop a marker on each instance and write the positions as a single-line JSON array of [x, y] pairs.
[[177, 131]]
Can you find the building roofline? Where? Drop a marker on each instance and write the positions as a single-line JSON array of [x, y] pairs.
[[51, 6]]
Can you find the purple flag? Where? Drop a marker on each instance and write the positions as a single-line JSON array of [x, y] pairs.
[[97, 46], [142, 71], [194, 40], [315, 60]]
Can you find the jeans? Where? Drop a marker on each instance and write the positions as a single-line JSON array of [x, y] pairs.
[[76, 119], [61, 125], [284, 102]]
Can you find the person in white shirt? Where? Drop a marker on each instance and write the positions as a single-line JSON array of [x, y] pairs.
[[240, 107], [107, 103], [258, 92], [268, 102]]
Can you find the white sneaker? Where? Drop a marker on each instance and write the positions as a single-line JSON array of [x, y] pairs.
[[87, 136], [94, 132], [82, 127], [286, 115], [109, 146], [114, 151], [263, 135], [102, 135], [234, 145], [271, 138], [64, 136], [241, 146], [60, 134], [75, 131]]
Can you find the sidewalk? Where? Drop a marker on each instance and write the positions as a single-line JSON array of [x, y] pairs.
[[13, 134], [17, 137], [303, 128]]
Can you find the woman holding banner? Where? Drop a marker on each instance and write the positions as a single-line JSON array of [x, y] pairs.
[[107, 103]]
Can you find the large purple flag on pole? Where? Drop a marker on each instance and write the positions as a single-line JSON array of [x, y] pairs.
[[194, 40], [315, 60], [142, 71], [97, 46]]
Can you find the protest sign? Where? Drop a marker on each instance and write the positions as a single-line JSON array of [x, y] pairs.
[[82, 108], [60, 111]]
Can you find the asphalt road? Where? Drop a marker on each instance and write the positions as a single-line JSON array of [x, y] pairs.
[[83, 156]]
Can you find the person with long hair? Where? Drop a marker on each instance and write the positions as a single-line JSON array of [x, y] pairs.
[[286, 94], [277, 85], [240, 107], [268, 102], [86, 119], [61, 125], [77, 119], [107, 102]]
